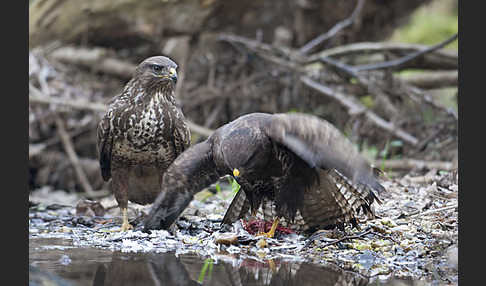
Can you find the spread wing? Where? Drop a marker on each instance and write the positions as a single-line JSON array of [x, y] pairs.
[[332, 201], [322, 145], [105, 145], [192, 171]]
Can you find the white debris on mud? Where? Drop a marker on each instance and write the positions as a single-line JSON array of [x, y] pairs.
[[414, 236]]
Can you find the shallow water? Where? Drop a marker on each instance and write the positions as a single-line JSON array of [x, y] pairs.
[[93, 266]]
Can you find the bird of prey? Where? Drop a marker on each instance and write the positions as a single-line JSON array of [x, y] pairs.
[[299, 165], [141, 134]]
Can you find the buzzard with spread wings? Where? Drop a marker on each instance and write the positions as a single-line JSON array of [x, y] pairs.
[[299, 167], [141, 134]]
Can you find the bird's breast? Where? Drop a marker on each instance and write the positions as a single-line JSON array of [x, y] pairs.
[[145, 132]]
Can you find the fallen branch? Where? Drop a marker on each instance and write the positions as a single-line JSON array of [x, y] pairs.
[[292, 60], [405, 59], [282, 56], [334, 30], [437, 59], [360, 235], [97, 59], [35, 96], [216, 94], [415, 164], [432, 80], [356, 107], [73, 157], [371, 86], [420, 96], [352, 106], [433, 211], [413, 92], [37, 148]]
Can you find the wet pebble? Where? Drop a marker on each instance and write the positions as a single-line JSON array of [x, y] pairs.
[[65, 260], [367, 259], [452, 256], [227, 239]]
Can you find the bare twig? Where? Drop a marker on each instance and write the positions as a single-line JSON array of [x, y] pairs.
[[385, 237], [334, 30], [403, 60], [36, 149], [371, 86], [348, 102], [96, 59], [36, 96], [73, 157], [415, 164], [251, 44], [431, 80], [438, 59], [347, 237], [413, 92], [216, 94], [418, 95], [293, 60], [282, 56], [421, 146], [357, 107], [433, 211]]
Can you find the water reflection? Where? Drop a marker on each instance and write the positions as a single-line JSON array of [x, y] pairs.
[[167, 269], [142, 269], [91, 266]]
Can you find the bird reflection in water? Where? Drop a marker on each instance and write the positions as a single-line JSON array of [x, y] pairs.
[[188, 269]]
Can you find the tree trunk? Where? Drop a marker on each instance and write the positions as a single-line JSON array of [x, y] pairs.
[[121, 23]]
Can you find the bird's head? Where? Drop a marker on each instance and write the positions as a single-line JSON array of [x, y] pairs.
[[166, 209], [157, 73], [246, 152]]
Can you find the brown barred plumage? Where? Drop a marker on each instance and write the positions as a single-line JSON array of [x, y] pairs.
[[142, 133], [293, 166]]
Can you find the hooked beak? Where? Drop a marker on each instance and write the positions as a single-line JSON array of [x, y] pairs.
[[236, 172], [173, 74]]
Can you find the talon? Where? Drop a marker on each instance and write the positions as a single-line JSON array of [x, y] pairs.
[[125, 225], [271, 263], [271, 232]]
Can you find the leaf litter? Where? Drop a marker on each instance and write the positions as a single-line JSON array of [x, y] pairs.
[[414, 236]]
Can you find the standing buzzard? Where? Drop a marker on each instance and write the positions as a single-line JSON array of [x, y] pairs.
[[141, 134], [298, 166]]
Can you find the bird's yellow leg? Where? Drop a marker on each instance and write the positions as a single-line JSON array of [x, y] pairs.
[[271, 263], [125, 224], [271, 233]]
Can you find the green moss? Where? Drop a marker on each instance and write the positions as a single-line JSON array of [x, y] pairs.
[[367, 101], [429, 25]]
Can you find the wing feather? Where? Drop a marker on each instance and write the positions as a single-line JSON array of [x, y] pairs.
[[322, 145], [105, 146], [238, 208]]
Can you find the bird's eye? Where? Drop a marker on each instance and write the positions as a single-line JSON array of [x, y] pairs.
[[156, 68]]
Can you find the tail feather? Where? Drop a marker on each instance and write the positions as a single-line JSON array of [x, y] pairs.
[[333, 201]]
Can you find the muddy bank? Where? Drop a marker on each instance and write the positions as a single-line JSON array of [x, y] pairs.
[[414, 237]]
